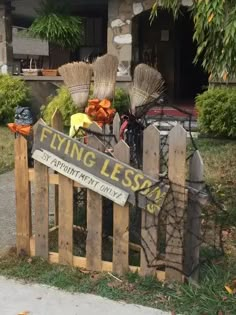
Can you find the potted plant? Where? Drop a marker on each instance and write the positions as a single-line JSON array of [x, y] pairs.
[[55, 24]]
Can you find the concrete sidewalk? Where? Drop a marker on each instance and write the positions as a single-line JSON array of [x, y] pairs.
[[16, 297]]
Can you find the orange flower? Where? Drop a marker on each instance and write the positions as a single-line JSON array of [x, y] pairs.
[[90, 109], [101, 114], [94, 102], [100, 111], [105, 103]]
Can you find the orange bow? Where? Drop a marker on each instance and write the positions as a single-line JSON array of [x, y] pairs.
[[100, 111], [23, 130]]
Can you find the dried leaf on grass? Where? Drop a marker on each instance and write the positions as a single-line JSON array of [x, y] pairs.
[[126, 286], [95, 276], [85, 272], [228, 289]]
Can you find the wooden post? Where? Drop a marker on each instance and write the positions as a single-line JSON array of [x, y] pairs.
[[94, 215], [57, 123], [121, 221], [23, 206], [41, 203], [175, 214], [65, 220], [149, 232], [193, 225]]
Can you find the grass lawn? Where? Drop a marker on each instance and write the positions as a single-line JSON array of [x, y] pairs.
[[209, 298], [219, 157], [6, 149]]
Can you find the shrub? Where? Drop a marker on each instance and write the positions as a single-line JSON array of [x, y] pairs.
[[65, 104], [217, 111], [13, 92]]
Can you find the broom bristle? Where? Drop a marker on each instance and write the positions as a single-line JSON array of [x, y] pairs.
[[77, 77], [105, 72], [148, 84]]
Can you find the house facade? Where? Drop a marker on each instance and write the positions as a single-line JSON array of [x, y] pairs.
[[122, 28]]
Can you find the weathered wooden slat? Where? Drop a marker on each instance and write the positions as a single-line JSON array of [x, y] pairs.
[[53, 179], [149, 225], [57, 120], [65, 240], [193, 224], [57, 123], [107, 132], [81, 262], [175, 214], [94, 216], [116, 127], [41, 205], [23, 206], [121, 221]]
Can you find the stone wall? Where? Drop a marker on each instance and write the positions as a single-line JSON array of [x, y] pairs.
[[120, 14]]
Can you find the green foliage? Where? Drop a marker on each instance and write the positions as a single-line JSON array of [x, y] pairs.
[[7, 150], [170, 5], [56, 25], [217, 111], [121, 101], [13, 92], [215, 31], [63, 102]]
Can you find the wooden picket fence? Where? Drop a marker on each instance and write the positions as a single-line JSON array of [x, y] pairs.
[[41, 177]]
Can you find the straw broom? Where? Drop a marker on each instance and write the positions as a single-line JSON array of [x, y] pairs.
[[148, 85], [105, 72], [77, 77]]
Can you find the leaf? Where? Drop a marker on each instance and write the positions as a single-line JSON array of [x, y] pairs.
[[210, 18], [228, 289], [225, 75], [86, 272]]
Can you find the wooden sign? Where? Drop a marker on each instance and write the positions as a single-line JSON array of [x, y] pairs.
[[97, 171]]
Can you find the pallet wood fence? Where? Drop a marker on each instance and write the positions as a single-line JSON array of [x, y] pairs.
[[42, 177]]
